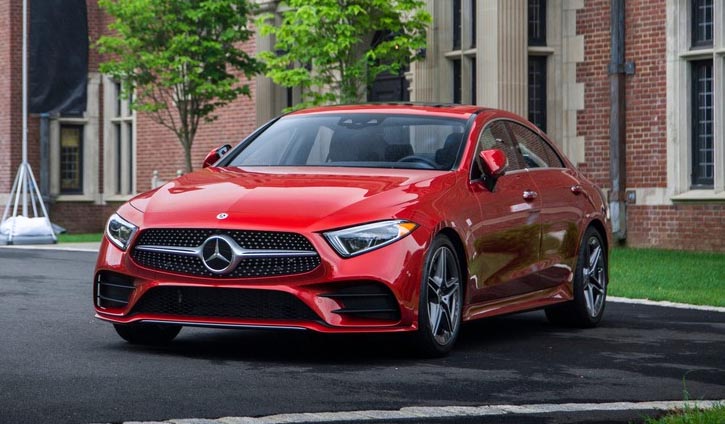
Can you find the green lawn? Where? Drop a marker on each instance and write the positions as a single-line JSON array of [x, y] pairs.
[[689, 277], [692, 415], [80, 238]]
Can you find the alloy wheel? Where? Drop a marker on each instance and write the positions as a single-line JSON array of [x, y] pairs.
[[594, 277], [443, 289]]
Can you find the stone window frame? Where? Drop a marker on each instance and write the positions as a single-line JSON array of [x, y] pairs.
[[465, 54], [125, 119], [679, 57], [89, 122]]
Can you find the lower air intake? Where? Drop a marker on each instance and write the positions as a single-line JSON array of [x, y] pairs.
[[211, 302]]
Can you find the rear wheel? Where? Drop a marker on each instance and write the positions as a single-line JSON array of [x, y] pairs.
[[590, 286], [147, 334], [439, 311]]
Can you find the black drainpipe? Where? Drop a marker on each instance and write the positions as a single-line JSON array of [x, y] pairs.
[[617, 146]]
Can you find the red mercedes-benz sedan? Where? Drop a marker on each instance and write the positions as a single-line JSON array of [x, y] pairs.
[[355, 219]]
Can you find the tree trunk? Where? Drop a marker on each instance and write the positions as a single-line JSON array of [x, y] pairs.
[[186, 143], [187, 159]]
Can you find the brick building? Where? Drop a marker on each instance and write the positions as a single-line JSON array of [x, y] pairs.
[[548, 60]]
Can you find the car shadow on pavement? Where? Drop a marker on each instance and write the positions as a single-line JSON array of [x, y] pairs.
[[309, 347]]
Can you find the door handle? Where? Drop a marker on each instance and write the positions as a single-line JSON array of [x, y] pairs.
[[530, 195], [576, 189]]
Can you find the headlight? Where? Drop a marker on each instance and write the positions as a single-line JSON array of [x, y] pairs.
[[364, 238], [120, 231]]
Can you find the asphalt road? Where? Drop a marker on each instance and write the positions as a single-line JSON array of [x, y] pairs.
[[60, 365]]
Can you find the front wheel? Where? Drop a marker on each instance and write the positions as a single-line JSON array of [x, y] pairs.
[[439, 311], [590, 286], [147, 334]]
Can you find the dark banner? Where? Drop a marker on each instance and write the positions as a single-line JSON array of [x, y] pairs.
[[58, 56]]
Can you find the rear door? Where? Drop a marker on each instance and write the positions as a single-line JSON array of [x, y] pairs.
[[561, 205]]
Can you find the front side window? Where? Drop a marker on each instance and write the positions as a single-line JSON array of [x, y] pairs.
[[71, 159], [357, 140], [496, 136]]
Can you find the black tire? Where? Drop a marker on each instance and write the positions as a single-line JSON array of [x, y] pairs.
[[590, 284], [147, 334], [441, 294]]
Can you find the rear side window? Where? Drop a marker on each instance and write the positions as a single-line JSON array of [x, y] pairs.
[[535, 150]]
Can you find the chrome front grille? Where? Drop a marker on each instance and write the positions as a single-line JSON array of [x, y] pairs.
[[240, 254]]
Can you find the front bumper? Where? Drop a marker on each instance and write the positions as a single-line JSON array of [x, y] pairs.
[[375, 292]]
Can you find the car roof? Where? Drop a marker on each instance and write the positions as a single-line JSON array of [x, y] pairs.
[[433, 109]]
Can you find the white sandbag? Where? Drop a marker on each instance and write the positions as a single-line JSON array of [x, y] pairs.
[[25, 227]]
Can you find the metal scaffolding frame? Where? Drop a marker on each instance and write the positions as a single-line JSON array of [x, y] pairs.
[[25, 190]]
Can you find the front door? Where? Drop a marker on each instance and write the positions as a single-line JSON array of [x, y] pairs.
[[508, 231]]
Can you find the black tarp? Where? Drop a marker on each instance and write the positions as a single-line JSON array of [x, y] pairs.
[[58, 56]]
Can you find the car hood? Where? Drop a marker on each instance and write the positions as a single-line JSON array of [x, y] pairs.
[[309, 199]]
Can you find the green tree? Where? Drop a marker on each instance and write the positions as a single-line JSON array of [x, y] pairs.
[[326, 48], [181, 59]]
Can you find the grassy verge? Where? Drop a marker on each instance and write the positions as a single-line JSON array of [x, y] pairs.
[[692, 415], [80, 238], [689, 277]]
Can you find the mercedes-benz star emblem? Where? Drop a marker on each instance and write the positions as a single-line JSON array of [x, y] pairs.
[[218, 255], [222, 216]]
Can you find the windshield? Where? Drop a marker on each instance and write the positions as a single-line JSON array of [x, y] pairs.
[[357, 140]]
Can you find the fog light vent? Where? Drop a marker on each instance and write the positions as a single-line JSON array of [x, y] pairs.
[[366, 300], [113, 290]]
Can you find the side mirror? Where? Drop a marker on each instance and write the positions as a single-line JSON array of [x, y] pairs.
[[494, 162], [215, 155]]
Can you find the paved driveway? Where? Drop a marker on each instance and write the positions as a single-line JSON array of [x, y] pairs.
[[58, 364]]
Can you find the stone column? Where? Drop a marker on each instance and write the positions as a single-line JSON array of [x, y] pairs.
[[502, 54], [267, 104], [429, 74]]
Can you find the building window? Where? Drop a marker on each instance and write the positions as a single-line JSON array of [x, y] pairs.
[[695, 81], [702, 125], [537, 78], [537, 22], [702, 13], [122, 121], [462, 57], [456, 24], [71, 159], [537, 91], [473, 80], [473, 25], [457, 81], [120, 144]]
